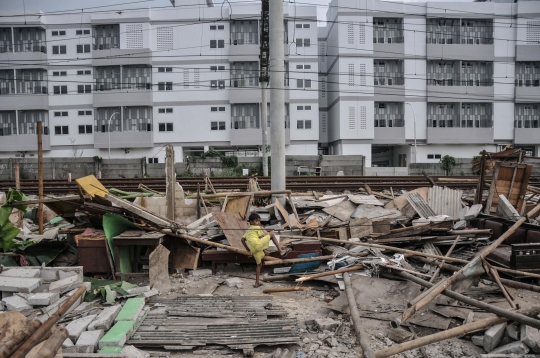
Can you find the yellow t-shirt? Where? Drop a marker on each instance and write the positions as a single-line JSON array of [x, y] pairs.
[[256, 242]]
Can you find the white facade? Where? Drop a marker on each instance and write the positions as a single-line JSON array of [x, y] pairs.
[[164, 75]]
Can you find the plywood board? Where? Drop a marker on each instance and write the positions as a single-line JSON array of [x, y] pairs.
[[233, 227], [511, 180], [92, 186], [361, 227], [342, 211], [365, 199], [159, 269], [284, 214], [238, 205]]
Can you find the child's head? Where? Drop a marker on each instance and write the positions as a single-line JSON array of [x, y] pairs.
[[254, 219]]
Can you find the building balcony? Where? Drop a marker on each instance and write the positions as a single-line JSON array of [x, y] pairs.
[[17, 57], [24, 101], [527, 52], [527, 94], [526, 135], [125, 97], [130, 139], [389, 135], [465, 52], [23, 143], [253, 136], [457, 135], [389, 50], [244, 52], [458, 93], [395, 93]]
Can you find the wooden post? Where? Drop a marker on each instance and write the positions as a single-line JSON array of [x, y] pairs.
[[18, 187], [480, 188], [40, 174], [330, 273], [51, 345], [353, 310], [170, 178]]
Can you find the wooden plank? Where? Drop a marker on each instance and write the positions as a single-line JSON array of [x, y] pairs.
[[342, 211], [521, 204], [361, 227], [284, 214], [233, 227]]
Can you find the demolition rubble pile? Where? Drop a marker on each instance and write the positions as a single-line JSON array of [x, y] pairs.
[[447, 262]]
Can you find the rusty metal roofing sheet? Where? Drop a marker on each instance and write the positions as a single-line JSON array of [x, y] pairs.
[[445, 201]]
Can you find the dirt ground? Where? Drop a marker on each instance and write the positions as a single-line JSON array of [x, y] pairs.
[[305, 304]]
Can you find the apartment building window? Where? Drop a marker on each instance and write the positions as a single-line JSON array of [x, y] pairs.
[[443, 73], [286, 74], [27, 121], [84, 89], [81, 32], [527, 115], [60, 114], [58, 33], [6, 40], [60, 90], [460, 73], [245, 115], [83, 48], [165, 86], [153, 160], [300, 83], [165, 127], [443, 31], [7, 82], [302, 26], [217, 126], [85, 72], [31, 81], [441, 115], [456, 31], [434, 156], [303, 42], [217, 43], [244, 32], [8, 123], [217, 68], [303, 124], [84, 113], [85, 129], [164, 69], [388, 72], [214, 84], [106, 78], [476, 73], [527, 74], [59, 50], [476, 31], [61, 130], [101, 119], [389, 114], [137, 119], [29, 39], [59, 73], [303, 108], [387, 30], [137, 77], [217, 27], [476, 115], [106, 37], [215, 109], [244, 74], [165, 110]]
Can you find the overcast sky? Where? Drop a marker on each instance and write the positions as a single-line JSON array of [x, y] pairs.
[[95, 5]]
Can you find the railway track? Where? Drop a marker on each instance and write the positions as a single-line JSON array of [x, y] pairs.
[[297, 184]]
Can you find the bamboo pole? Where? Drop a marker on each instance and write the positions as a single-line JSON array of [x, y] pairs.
[[294, 261], [7, 348], [51, 346], [450, 333], [329, 273], [286, 289], [45, 328], [424, 254], [353, 310], [436, 273]]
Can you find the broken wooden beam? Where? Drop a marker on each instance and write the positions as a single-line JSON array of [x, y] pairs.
[[329, 273], [294, 261], [429, 179]]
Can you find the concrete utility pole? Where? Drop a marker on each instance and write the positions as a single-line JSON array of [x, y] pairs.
[[264, 78], [277, 96], [40, 174], [170, 179]]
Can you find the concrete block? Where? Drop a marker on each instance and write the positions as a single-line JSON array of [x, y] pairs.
[[105, 319], [512, 348], [473, 211], [493, 336], [234, 282], [90, 338], [16, 303], [67, 343], [131, 310], [531, 337], [513, 331], [326, 324], [78, 350], [132, 352], [78, 326], [43, 299], [153, 292], [66, 284], [17, 284], [117, 335], [200, 273], [138, 290], [6, 294], [21, 272], [478, 340]]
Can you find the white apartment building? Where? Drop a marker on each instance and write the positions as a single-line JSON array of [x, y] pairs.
[[454, 77], [186, 76], [378, 77]]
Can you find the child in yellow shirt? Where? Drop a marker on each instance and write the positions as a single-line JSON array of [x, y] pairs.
[[255, 241]]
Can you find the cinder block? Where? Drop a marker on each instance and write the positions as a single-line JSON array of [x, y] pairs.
[[90, 338], [131, 310], [21, 273], [531, 337], [478, 340], [117, 335], [105, 319], [513, 331], [493, 336], [66, 284], [78, 326], [43, 298], [17, 284], [512, 348], [67, 343], [16, 303]]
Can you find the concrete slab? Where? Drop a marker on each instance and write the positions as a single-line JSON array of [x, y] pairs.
[[90, 338], [78, 326], [66, 284], [105, 319], [17, 284], [473, 211], [138, 290], [16, 303], [512, 348], [21, 272], [132, 352], [43, 299], [111, 350], [478, 340], [131, 310], [153, 292], [531, 337], [117, 335], [513, 331], [67, 343]]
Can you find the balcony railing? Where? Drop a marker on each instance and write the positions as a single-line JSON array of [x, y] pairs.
[[380, 123], [30, 46], [388, 81]]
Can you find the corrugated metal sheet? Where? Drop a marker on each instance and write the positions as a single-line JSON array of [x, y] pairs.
[[420, 205], [445, 201]]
